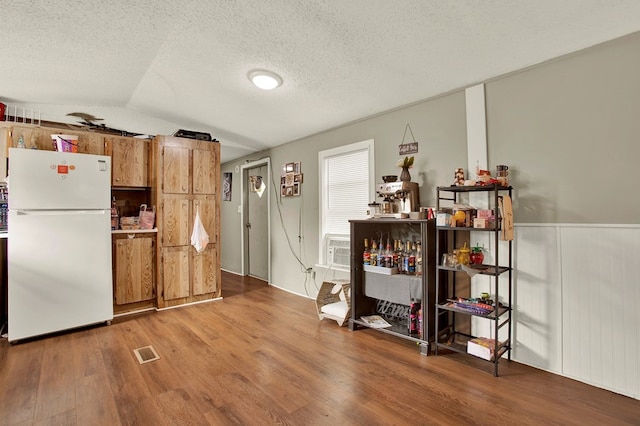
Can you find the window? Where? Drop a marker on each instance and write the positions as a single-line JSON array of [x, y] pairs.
[[346, 188]]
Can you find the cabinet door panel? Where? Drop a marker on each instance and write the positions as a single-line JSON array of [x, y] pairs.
[[204, 176], [34, 137], [204, 271], [175, 222], [175, 271], [133, 270], [129, 161], [175, 179], [90, 143], [207, 208]]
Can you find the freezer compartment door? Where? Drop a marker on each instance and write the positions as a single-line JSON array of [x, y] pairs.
[[59, 271], [49, 180]]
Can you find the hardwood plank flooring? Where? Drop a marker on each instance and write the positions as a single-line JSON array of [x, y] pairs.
[[260, 356]]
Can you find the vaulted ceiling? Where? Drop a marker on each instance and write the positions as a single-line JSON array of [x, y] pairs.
[[158, 66]]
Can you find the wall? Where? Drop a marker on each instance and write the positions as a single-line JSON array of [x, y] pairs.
[[439, 127], [568, 130]]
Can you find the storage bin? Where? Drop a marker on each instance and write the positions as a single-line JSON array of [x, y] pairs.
[[65, 143]]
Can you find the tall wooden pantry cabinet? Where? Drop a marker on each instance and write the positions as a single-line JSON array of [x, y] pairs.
[[186, 180]]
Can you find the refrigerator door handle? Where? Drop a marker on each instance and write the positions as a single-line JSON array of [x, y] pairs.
[[59, 212]]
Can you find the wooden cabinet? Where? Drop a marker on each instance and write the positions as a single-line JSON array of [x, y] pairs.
[[385, 292], [129, 161], [133, 270], [40, 138], [186, 180]]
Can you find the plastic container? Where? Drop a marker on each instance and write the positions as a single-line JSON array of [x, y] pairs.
[[65, 143]]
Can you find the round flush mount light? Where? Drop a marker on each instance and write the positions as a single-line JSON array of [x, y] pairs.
[[265, 80]]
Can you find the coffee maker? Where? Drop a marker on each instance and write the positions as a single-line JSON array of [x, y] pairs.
[[399, 198]]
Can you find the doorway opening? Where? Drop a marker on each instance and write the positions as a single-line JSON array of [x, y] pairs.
[[256, 186]]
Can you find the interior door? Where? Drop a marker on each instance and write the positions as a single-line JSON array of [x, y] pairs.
[[257, 229]]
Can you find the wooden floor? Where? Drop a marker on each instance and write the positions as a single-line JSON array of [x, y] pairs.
[[261, 357]]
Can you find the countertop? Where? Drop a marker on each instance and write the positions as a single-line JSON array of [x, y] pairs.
[[134, 231]]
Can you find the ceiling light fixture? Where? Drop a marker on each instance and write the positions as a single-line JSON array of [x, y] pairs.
[[265, 80]]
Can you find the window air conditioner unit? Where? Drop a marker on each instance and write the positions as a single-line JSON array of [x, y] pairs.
[[338, 251]]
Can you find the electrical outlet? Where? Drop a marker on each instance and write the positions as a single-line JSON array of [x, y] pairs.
[[240, 209]]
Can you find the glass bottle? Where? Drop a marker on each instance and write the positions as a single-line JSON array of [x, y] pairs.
[[413, 258], [400, 257], [419, 258], [410, 259], [114, 214], [374, 253], [366, 254], [388, 255], [395, 254], [414, 307]]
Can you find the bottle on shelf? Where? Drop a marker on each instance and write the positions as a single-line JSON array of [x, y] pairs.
[[388, 254], [374, 253], [419, 259], [476, 257], [395, 255], [400, 257], [382, 259], [409, 259], [114, 214], [414, 307], [366, 254], [412, 259]]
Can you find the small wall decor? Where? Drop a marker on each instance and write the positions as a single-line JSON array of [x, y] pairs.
[[290, 180], [408, 148], [257, 185], [226, 186]]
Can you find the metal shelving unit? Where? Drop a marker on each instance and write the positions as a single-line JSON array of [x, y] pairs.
[[450, 334]]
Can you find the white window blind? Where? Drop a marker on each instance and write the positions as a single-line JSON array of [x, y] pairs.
[[346, 189], [347, 193]]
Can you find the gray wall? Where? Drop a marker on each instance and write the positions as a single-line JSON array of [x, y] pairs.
[[440, 130], [570, 132], [566, 128]]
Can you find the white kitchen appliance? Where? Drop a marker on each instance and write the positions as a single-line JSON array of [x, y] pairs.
[[59, 247]]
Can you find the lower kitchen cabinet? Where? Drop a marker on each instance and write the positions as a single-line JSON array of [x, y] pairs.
[[134, 286]]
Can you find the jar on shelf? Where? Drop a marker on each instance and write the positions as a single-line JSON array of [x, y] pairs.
[[464, 255], [476, 256]]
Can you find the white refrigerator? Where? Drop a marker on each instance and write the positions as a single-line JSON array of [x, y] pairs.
[[59, 242]]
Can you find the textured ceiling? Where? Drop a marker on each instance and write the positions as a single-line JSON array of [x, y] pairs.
[[158, 66]]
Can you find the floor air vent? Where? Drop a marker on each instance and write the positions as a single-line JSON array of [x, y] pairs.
[[146, 354]]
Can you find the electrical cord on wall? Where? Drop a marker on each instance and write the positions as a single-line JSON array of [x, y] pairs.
[[304, 268]]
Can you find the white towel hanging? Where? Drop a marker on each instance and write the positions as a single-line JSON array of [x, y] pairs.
[[199, 236]]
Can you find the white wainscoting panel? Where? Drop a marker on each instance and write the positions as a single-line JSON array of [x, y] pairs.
[[537, 298], [577, 302], [600, 305]]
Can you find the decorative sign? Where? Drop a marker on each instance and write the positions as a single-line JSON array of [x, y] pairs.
[[290, 180], [408, 148]]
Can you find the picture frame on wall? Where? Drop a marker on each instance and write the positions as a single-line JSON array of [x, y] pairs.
[[296, 189], [226, 186]]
